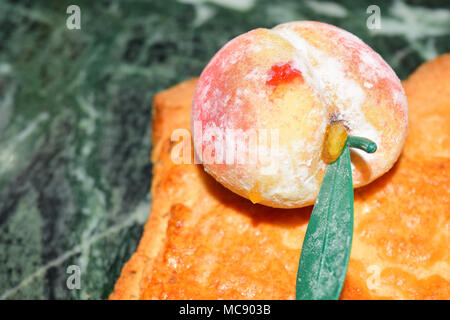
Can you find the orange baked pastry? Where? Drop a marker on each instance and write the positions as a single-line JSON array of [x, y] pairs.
[[202, 241]]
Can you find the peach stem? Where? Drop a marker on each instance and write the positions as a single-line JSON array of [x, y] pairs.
[[362, 143]]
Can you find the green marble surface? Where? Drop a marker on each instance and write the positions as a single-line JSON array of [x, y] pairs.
[[75, 109]]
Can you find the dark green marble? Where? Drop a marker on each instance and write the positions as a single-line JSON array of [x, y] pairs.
[[75, 116]]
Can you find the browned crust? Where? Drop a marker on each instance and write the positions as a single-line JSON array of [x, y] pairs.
[[204, 242], [169, 113]]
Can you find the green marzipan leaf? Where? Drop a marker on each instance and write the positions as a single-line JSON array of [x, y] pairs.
[[326, 247]]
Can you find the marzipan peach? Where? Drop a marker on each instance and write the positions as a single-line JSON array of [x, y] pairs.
[[282, 88]]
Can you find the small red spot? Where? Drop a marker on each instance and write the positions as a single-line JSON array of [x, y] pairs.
[[282, 73]]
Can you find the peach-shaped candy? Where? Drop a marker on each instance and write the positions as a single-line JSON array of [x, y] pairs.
[[278, 90]]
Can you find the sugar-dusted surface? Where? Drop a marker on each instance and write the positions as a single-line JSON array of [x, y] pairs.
[[310, 75]]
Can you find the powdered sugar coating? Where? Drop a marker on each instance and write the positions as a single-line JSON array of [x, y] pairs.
[[344, 80]]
